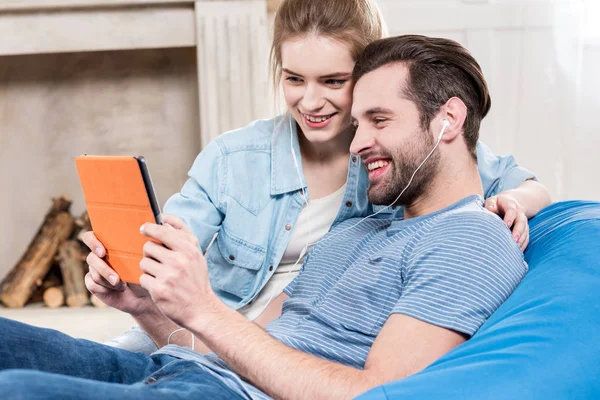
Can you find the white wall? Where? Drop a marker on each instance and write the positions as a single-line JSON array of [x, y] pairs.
[[54, 107], [541, 59]]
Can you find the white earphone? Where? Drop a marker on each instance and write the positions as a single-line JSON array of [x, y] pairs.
[[445, 124]]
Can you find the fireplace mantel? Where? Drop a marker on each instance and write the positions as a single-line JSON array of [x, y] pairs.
[[230, 37]]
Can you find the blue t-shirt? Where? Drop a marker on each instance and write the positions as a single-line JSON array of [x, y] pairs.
[[452, 268]]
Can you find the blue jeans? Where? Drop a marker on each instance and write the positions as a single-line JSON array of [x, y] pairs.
[[38, 363]]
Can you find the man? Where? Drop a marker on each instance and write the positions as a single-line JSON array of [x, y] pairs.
[[377, 300]]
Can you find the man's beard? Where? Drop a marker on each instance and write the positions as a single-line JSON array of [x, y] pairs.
[[405, 160]]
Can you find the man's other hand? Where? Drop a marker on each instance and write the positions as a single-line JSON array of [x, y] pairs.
[[103, 282]]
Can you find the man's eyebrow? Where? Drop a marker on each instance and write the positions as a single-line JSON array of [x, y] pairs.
[[345, 75], [377, 110]]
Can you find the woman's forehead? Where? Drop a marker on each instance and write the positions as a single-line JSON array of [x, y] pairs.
[[316, 55]]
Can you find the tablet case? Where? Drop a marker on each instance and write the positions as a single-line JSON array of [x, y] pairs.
[[118, 205]]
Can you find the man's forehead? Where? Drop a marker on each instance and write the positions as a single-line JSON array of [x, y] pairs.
[[378, 88]]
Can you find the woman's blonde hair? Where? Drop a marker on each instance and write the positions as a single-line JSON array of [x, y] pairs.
[[354, 22]]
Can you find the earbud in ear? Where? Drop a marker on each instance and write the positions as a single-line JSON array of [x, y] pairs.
[[445, 124]]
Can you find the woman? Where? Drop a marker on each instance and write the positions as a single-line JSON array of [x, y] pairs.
[[275, 186]]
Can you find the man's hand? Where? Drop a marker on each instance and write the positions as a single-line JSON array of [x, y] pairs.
[[514, 215], [175, 271], [103, 282]]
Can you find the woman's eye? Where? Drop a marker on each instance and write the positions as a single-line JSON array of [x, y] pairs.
[[335, 82], [293, 79]]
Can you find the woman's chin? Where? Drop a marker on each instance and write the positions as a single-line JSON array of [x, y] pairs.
[[316, 136]]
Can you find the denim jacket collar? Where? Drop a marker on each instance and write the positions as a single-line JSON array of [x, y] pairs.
[[284, 177]]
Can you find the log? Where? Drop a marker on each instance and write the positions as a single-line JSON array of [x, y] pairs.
[[83, 225], [54, 297], [60, 204], [35, 263], [71, 258], [97, 302], [52, 279]]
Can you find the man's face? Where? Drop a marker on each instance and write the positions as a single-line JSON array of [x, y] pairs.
[[389, 138]]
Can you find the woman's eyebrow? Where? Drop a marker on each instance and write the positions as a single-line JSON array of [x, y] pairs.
[[290, 72], [338, 75]]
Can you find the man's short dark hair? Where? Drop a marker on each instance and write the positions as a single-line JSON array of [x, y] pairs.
[[439, 69]]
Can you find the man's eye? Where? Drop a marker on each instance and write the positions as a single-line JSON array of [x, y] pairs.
[[335, 82], [355, 124], [378, 121]]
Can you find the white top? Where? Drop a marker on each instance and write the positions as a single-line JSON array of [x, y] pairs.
[[313, 223]]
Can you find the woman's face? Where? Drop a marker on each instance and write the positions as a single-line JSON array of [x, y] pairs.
[[317, 85]]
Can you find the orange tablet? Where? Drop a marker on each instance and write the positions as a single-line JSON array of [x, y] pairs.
[[120, 198]]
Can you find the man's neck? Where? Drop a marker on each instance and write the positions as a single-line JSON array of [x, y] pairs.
[[449, 186]]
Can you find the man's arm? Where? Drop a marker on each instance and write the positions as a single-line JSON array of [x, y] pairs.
[[160, 327], [404, 346]]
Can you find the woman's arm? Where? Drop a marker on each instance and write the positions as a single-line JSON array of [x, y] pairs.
[[198, 202]]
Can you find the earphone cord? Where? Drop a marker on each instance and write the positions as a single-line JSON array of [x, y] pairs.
[[305, 248], [397, 198], [179, 330]]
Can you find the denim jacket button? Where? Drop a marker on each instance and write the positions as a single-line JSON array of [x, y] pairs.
[[270, 268], [288, 227], [349, 204], [353, 159], [231, 258]]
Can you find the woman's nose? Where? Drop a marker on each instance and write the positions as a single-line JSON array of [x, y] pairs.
[[313, 99]]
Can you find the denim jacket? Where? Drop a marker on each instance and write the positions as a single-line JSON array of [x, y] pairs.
[[244, 186]]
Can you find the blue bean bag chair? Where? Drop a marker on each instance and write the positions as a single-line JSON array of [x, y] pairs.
[[543, 342]]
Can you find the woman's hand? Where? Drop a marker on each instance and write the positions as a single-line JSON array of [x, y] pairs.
[[513, 214], [175, 271], [103, 282]]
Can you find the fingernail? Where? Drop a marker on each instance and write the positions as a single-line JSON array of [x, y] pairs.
[[99, 251], [517, 237], [112, 279], [142, 229]]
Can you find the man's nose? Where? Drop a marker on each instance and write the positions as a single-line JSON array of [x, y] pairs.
[[362, 141], [313, 99]]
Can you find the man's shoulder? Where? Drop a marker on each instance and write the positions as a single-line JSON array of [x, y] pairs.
[[468, 233], [469, 230], [470, 218]]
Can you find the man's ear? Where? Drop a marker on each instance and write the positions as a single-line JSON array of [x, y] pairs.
[[455, 112]]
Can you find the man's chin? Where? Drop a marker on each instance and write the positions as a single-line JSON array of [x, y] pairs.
[[377, 198], [388, 198]]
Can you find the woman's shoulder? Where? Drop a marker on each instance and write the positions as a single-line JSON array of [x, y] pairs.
[[256, 136]]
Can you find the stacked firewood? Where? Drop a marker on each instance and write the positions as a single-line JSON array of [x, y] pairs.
[[53, 266]]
